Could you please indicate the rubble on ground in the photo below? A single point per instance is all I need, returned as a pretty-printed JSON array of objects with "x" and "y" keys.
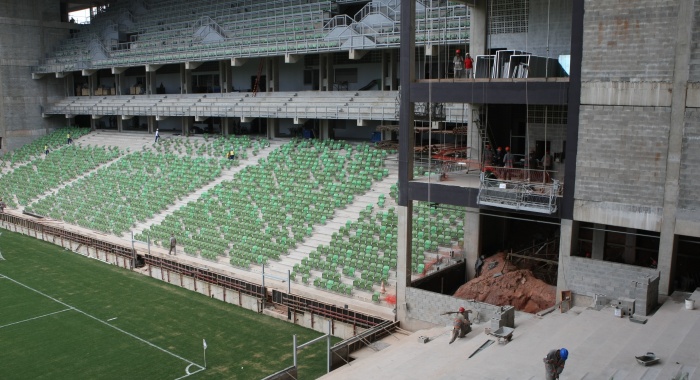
[{"x": 502, "y": 283}]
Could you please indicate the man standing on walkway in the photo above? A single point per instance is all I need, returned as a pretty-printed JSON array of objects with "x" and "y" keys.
[
  {"x": 70, "y": 140},
  {"x": 554, "y": 363},
  {"x": 157, "y": 136},
  {"x": 469, "y": 66},
  {"x": 458, "y": 63},
  {"x": 173, "y": 242}
]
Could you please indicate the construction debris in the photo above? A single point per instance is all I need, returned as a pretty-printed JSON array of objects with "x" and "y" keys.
[{"x": 504, "y": 284}]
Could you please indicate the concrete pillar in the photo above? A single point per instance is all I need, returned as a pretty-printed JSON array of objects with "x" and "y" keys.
[
  {"x": 326, "y": 75},
  {"x": 224, "y": 78},
  {"x": 630, "y": 254},
  {"x": 273, "y": 74},
  {"x": 93, "y": 123},
  {"x": 225, "y": 126},
  {"x": 323, "y": 130},
  {"x": 403, "y": 265},
  {"x": 471, "y": 240},
  {"x": 272, "y": 125},
  {"x": 681, "y": 74},
  {"x": 152, "y": 124},
  {"x": 119, "y": 83},
  {"x": 185, "y": 80},
  {"x": 186, "y": 125},
  {"x": 150, "y": 82},
  {"x": 598, "y": 251},
  {"x": 389, "y": 80},
  {"x": 567, "y": 240},
  {"x": 120, "y": 124},
  {"x": 478, "y": 28},
  {"x": 70, "y": 85},
  {"x": 92, "y": 84}
]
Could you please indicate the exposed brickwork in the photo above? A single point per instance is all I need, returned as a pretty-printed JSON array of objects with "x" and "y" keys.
[
  {"x": 623, "y": 40},
  {"x": 590, "y": 277},
  {"x": 427, "y": 306},
  {"x": 622, "y": 154},
  {"x": 689, "y": 195}
]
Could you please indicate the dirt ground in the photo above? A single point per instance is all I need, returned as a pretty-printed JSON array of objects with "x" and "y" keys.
[{"x": 517, "y": 287}]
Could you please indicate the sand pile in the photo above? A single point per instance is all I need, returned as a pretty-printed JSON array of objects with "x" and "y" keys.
[{"x": 517, "y": 287}]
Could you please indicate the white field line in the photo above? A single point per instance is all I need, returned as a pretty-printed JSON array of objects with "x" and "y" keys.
[
  {"x": 31, "y": 319},
  {"x": 187, "y": 370},
  {"x": 107, "y": 324}
]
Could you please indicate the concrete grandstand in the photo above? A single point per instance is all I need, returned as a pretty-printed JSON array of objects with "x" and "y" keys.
[{"x": 359, "y": 201}]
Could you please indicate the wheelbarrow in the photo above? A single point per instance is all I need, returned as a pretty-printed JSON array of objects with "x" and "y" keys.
[
  {"x": 503, "y": 334},
  {"x": 647, "y": 360}
]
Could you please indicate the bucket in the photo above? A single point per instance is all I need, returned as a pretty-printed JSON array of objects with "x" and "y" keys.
[
  {"x": 689, "y": 304},
  {"x": 618, "y": 312}
]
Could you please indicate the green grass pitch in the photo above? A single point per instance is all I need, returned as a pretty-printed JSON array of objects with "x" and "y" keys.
[{"x": 65, "y": 316}]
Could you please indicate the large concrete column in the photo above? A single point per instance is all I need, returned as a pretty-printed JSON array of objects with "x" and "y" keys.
[
  {"x": 272, "y": 126},
  {"x": 324, "y": 131},
  {"x": 185, "y": 79},
  {"x": 273, "y": 74},
  {"x": 120, "y": 124},
  {"x": 186, "y": 125},
  {"x": 225, "y": 126},
  {"x": 478, "y": 28},
  {"x": 403, "y": 265},
  {"x": 225, "y": 77},
  {"x": 389, "y": 80},
  {"x": 598, "y": 250},
  {"x": 667, "y": 241},
  {"x": 567, "y": 239},
  {"x": 152, "y": 124},
  {"x": 472, "y": 248},
  {"x": 326, "y": 74},
  {"x": 92, "y": 84}
]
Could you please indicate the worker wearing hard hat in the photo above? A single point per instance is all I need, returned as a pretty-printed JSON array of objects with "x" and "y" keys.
[
  {"x": 458, "y": 62},
  {"x": 461, "y": 326},
  {"x": 554, "y": 363}
]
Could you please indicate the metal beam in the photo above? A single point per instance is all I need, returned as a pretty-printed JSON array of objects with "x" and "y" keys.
[{"x": 492, "y": 92}]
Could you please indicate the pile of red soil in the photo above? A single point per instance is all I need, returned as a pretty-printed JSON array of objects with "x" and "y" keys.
[{"x": 516, "y": 287}]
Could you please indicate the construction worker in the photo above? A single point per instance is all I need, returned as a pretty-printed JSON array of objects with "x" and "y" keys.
[
  {"x": 469, "y": 66},
  {"x": 508, "y": 158},
  {"x": 488, "y": 155},
  {"x": 458, "y": 63},
  {"x": 554, "y": 363},
  {"x": 173, "y": 242},
  {"x": 479, "y": 264},
  {"x": 46, "y": 150},
  {"x": 231, "y": 155},
  {"x": 498, "y": 158},
  {"x": 70, "y": 140},
  {"x": 461, "y": 326}
]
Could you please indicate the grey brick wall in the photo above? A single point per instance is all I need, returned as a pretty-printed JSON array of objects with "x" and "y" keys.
[
  {"x": 427, "y": 306},
  {"x": 623, "y": 40},
  {"x": 614, "y": 280},
  {"x": 689, "y": 195},
  {"x": 695, "y": 46},
  {"x": 29, "y": 29},
  {"x": 622, "y": 154}
]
